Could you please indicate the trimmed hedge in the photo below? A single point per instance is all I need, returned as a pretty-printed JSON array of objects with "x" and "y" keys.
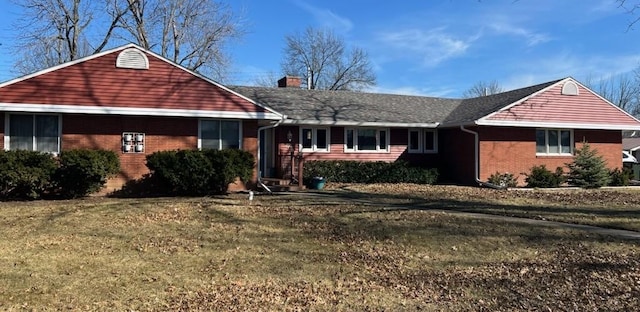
[
  {"x": 83, "y": 172},
  {"x": 348, "y": 171},
  {"x": 197, "y": 173},
  {"x": 76, "y": 173},
  {"x": 26, "y": 174}
]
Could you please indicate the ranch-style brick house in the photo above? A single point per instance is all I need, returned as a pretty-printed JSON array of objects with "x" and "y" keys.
[{"x": 136, "y": 102}]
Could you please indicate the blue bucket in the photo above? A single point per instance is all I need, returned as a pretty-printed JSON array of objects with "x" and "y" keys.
[{"x": 317, "y": 183}]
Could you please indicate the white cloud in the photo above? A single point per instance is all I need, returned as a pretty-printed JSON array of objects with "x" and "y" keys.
[
  {"x": 408, "y": 90},
  {"x": 532, "y": 38},
  {"x": 327, "y": 18},
  {"x": 433, "y": 46},
  {"x": 568, "y": 64}
]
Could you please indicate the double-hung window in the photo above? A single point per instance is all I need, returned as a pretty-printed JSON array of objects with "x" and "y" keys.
[
  {"x": 554, "y": 142},
  {"x": 33, "y": 132},
  {"x": 366, "y": 140},
  {"x": 219, "y": 134},
  {"x": 422, "y": 141},
  {"x": 314, "y": 139}
]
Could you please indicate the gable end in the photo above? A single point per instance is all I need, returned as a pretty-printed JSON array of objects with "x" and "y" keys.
[{"x": 133, "y": 59}]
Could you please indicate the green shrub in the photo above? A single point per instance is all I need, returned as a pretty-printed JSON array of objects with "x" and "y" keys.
[
  {"x": 588, "y": 169},
  {"x": 196, "y": 173},
  {"x": 347, "y": 171},
  {"x": 25, "y": 174},
  {"x": 542, "y": 177},
  {"x": 84, "y": 171},
  {"x": 619, "y": 177},
  {"x": 503, "y": 179}
]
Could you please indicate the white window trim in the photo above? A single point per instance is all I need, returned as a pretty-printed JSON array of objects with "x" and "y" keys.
[
  {"x": 240, "y": 134},
  {"x": 546, "y": 140},
  {"x": 355, "y": 140},
  {"x": 421, "y": 137},
  {"x": 314, "y": 140},
  {"x": 7, "y": 135}
]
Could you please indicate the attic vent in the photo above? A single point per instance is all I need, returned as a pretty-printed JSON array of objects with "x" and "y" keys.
[
  {"x": 570, "y": 88},
  {"x": 132, "y": 58}
]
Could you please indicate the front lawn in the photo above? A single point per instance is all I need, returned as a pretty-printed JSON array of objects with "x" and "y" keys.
[
  {"x": 294, "y": 252},
  {"x": 617, "y": 208}
]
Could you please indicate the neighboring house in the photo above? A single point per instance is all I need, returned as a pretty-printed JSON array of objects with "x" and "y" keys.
[
  {"x": 127, "y": 100},
  {"x": 136, "y": 102},
  {"x": 631, "y": 145},
  {"x": 466, "y": 139}
]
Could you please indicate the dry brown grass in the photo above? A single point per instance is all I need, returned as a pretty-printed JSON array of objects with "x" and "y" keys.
[{"x": 290, "y": 252}]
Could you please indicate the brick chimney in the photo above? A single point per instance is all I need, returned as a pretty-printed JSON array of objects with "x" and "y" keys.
[{"x": 289, "y": 82}]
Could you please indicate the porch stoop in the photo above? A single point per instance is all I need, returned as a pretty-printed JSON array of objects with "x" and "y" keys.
[{"x": 282, "y": 185}]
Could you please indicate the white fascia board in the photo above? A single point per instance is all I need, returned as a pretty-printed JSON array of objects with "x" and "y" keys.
[
  {"x": 133, "y": 111},
  {"x": 561, "y": 125},
  {"x": 360, "y": 124}
]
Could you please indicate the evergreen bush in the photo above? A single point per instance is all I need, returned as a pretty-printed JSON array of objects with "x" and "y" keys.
[
  {"x": 588, "y": 169},
  {"x": 620, "y": 177},
  {"x": 503, "y": 179},
  {"x": 542, "y": 177}
]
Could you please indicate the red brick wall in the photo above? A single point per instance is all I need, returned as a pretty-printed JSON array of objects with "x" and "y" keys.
[
  {"x": 105, "y": 132},
  {"x": 398, "y": 138},
  {"x": 513, "y": 150},
  {"x": 457, "y": 156},
  {"x": 82, "y": 131}
]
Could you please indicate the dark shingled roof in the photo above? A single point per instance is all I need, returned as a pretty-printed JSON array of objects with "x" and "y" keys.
[{"x": 348, "y": 106}]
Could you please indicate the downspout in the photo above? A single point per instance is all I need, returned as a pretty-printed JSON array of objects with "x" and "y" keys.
[
  {"x": 477, "y": 160},
  {"x": 260, "y": 183}
]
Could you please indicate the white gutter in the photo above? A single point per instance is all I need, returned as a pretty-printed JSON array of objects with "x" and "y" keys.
[
  {"x": 260, "y": 183},
  {"x": 477, "y": 160}
]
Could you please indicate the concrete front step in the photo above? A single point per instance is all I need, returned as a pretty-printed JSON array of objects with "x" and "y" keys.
[{"x": 281, "y": 185}]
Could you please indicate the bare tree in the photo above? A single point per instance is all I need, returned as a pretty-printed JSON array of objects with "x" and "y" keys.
[
  {"x": 55, "y": 31},
  {"x": 268, "y": 80},
  {"x": 192, "y": 33},
  {"x": 622, "y": 90},
  {"x": 631, "y": 7},
  {"x": 482, "y": 88},
  {"x": 322, "y": 60}
]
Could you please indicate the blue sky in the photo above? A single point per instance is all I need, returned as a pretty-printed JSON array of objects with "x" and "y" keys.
[{"x": 435, "y": 47}]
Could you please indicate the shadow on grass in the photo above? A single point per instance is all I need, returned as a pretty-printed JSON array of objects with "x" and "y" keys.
[{"x": 380, "y": 203}]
